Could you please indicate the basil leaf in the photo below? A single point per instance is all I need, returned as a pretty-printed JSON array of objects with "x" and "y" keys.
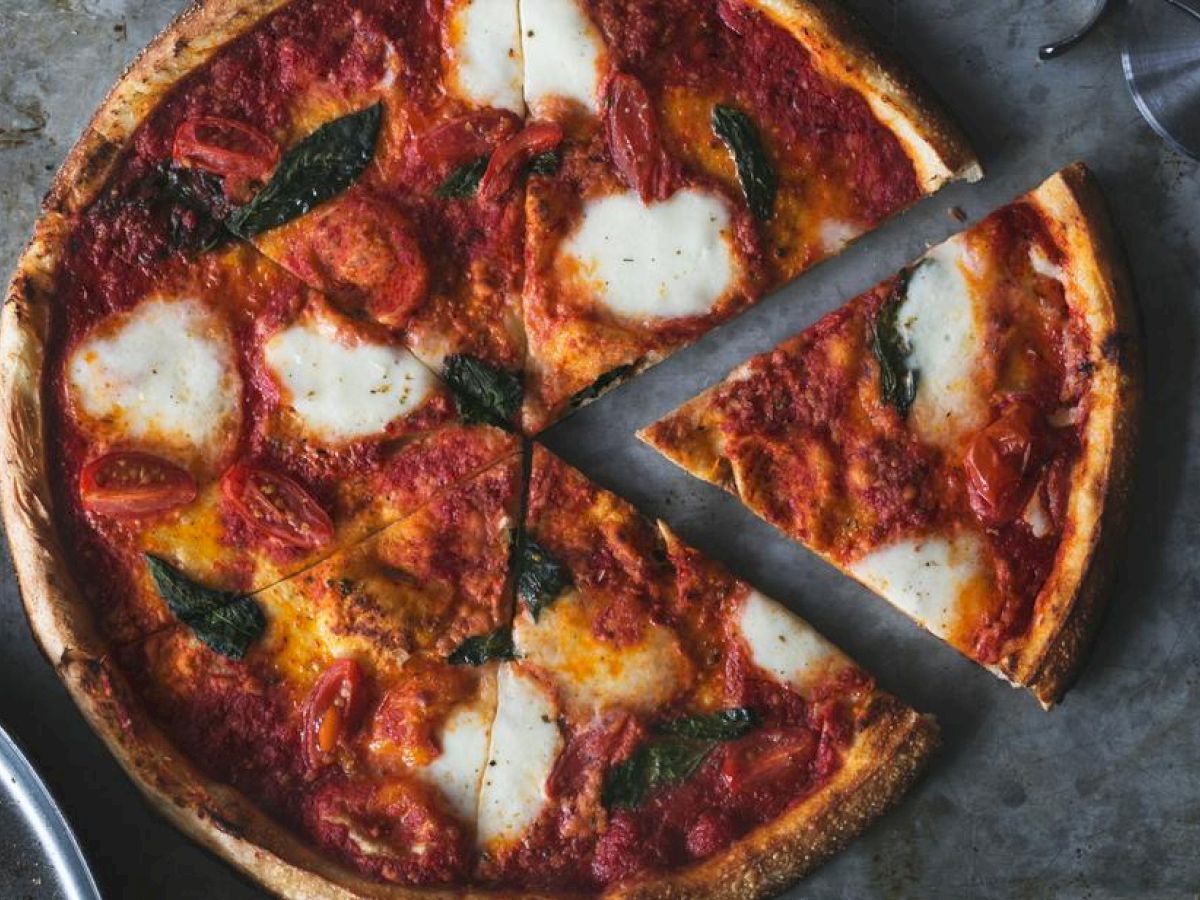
[
  {"x": 663, "y": 762},
  {"x": 228, "y": 623},
  {"x": 897, "y": 383},
  {"x": 481, "y": 648},
  {"x": 321, "y": 166},
  {"x": 601, "y": 384},
  {"x": 725, "y": 725},
  {"x": 541, "y": 578},
  {"x": 758, "y": 180},
  {"x": 483, "y": 394},
  {"x": 463, "y": 181},
  {"x": 546, "y": 163}
]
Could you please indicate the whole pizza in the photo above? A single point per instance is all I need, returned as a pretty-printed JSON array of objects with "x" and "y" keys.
[{"x": 274, "y": 363}]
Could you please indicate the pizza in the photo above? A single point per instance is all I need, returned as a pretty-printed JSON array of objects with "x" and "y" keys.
[
  {"x": 314, "y": 277},
  {"x": 958, "y": 438}
]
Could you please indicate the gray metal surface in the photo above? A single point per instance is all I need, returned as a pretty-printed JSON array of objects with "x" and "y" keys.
[
  {"x": 1099, "y": 799},
  {"x": 39, "y": 856},
  {"x": 1161, "y": 59}
]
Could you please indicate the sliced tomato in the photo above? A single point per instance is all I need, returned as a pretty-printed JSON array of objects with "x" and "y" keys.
[
  {"x": 131, "y": 483},
  {"x": 462, "y": 139},
  {"x": 1003, "y": 459},
  {"x": 333, "y": 710},
  {"x": 769, "y": 758},
  {"x": 633, "y": 139},
  {"x": 277, "y": 506},
  {"x": 238, "y": 153},
  {"x": 510, "y": 157}
]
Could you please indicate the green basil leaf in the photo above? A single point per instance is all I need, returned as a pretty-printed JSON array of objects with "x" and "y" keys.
[
  {"x": 483, "y": 394},
  {"x": 464, "y": 181},
  {"x": 897, "y": 382},
  {"x": 540, "y": 579},
  {"x": 481, "y": 648},
  {"x": 600, "y": 385},
  {"x": 758, "y": 180},
  {"x": 654, "y": 765},
  {"x": 320, "y": 167},
  {"x": 725, "y": 725},
  {"x": 546, "y": 163},
  {"x": 228, "y": 623}
]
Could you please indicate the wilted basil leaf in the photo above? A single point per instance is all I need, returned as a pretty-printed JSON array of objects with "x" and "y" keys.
[
  {"x": 540, "y": 579},
  {"x": 483, "y": 394},
  {"x": 757, "y": 178},
  {"x": 225, "y": 621},
  {"x": 897, "y": 383},
  {"x": 481, "y": 648},
  {"x": 463, "y": 181}
]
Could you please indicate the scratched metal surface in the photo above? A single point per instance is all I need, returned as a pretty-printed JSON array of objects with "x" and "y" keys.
[{"x": 1099, "y": 799}]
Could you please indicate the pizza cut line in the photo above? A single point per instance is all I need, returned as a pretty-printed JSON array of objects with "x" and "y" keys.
[{"x": 310, "y": 271}]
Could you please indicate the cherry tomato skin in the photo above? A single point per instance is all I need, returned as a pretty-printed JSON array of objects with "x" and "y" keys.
[
  {"x": 1002, "y": 460},
  {"x": 505, "y": 165},
  {"x": 225, "y": 147},
  {"x": 130, "y": 483},
  {"x": 461, "y": 139},
  {"x": 277, "y": 506},
  {"x": 633, "y": 139},
  {"x": 765, "y": 757},
  {"x": 333, "y": 710}
]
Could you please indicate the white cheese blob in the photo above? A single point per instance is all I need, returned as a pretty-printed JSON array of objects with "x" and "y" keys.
[
  {"x": 457, "y": 771},
  {"x": 594, "y": 674},
  {"x": 836, "y": 234},
  {"x": 525, "y": 745},
  {"x": 163, "y": 373},
  {"x": 925, "y": 577},
  {"x": 782, "y": 644},
  {"x": 1043, "y": 266},
  {"x": 945, "y": 327},
  {"x": 485, "y": 53},
  {"x": 658, "y": 260},
  {"x": 564, "y": 55},
  {"x": 340, "y": 385}
]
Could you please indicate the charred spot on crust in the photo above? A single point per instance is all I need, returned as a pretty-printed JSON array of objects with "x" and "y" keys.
[
  {"x": 1113, "y": 348},
  {"x": 222, "y": 822}
]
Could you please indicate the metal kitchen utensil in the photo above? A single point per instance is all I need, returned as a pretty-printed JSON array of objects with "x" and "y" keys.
[
  {"x": 39, "y": 856},
  {"x": 1061, "y": 46},
  {"x": 1161, "y": 59}
]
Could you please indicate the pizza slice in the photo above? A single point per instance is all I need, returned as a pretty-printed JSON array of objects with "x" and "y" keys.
[
  {"x": 958, "y": 438},
  {"x": 711, "y": 152},
  {"x": 665, "y": 729}
]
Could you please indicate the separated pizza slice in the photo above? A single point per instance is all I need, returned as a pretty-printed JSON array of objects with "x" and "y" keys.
[
  {"x": 666, "y": 729},
  {"x": 351, "y": 703},
  {"x": 958, "y": 438},
  {"x": 711, "y": 152},
  {"x": 344, "y": 138}
]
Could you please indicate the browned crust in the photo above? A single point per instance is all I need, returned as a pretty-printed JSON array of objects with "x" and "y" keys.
[
  {"x": 937, "y": 146},
  {"x": 1070, "y": 604},
  {"x": 1070, "y": 607}
]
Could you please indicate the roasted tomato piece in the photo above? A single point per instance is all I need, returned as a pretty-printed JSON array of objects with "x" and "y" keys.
[
  {"x": 238, "y": 153},
  {"x": 362, "y": 249},
  {"x": 277, "y": 506},
  {"x": 1003, "y": 461},
  {"x": 510, "y": 157},
  {"x": 768, "y": 758},
  {"x": 462, "y": 139},
  {"x": 333, "y": 710},
  {"x": 131, "y": 483},
  {"x": 633, "y": 139}
]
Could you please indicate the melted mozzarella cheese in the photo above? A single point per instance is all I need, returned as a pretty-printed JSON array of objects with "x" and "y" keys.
[
  {"x": 457, "y": 771},
  {"x": 783, "y": 645},
  {"x": 564, "y": 55},
  {"x": 595, "y": 674},
  {"x": 658, "y": 260},
  {"x": 925, "y": 577},
  {"x": 1043, "y": 266},
  {"x": 836, "y": 234},
  {"x": 164, "y": 373},
  {"x": 525, "y": 745},
  {"x": 341, "y": 386},
  {"x": 945, "y": 329},
  {"x": 485, "y": 53}
]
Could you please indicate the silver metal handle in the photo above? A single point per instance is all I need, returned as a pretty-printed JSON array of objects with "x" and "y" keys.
[{"x": 1057, "y": 48}]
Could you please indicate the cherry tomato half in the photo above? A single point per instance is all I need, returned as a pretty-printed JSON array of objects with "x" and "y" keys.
[
  {"x": 767, "y": 758},
  {"x": 462, "y": 139},
  {"x": 508, "y": 159},
  {"x": 131, "y": 483},
  {"x": 633, "y": 139},
  {"x": 1003, "y": 460},
  {"x": 225, "y": 147},
  {"x": 277, "y": 506},
  {"x": 333, "y": 710}
]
